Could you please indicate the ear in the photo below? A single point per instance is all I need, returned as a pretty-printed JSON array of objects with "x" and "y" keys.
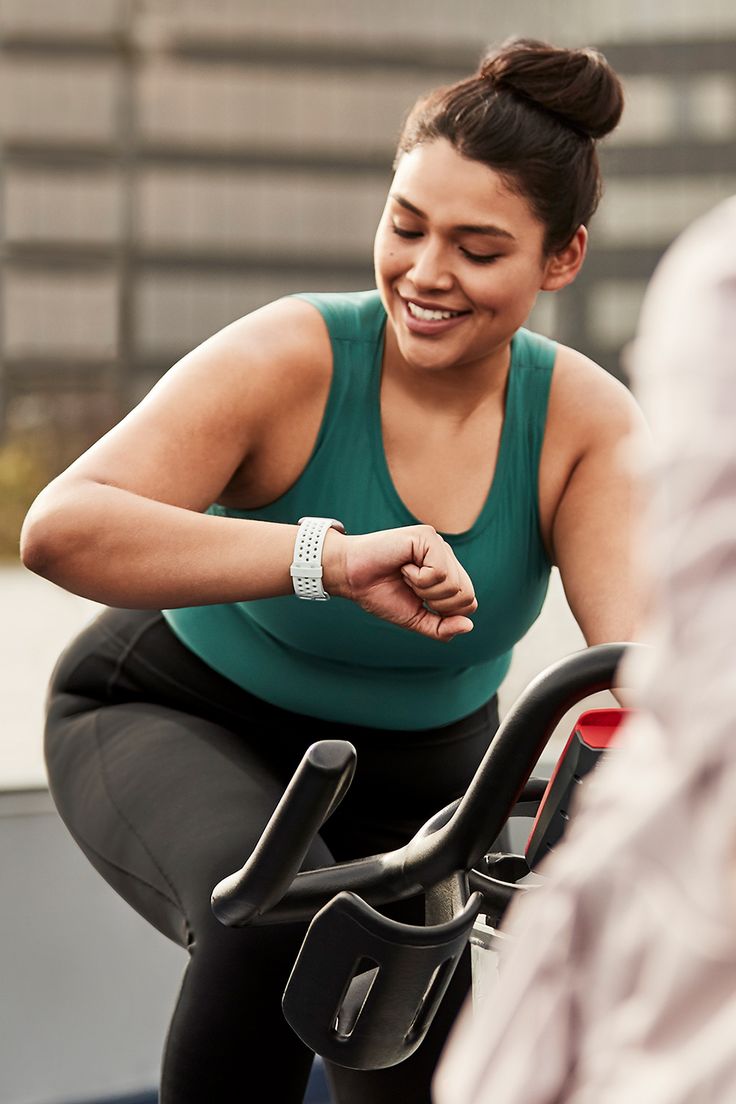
[{"x": 562, "y": 268}]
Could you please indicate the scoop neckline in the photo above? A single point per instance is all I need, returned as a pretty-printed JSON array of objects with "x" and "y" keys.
[{"x": 384, "y": 471}]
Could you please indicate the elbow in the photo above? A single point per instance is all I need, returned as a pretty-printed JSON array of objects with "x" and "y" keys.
[
  {"x": 38, "y": 544},
  {"x": 47, "y": 535}
]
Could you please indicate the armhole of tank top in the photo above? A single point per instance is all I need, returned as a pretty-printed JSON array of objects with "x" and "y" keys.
[
  {"x": 550, "y": 349},
  {"x": 331, "y": 315},
  {"x": 538, "y": 354}
]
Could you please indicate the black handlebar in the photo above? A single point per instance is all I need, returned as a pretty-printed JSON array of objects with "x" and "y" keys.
[
  {"x": 316, "y": 789},
  {"x": 453, "y": 840},
  {"x": 511, "y": 757}
]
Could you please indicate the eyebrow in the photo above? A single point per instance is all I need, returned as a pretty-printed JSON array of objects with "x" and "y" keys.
[{"x": 489, "y": 230}]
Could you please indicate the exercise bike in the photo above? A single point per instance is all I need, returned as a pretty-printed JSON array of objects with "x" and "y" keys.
[{"x": 364, "y": 988}]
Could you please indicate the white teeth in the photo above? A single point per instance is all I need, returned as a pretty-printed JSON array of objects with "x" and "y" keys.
[{"x": 430, "y": 315}]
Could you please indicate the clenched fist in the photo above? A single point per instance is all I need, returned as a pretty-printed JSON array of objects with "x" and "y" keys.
[{"x": 408, "y": 576}]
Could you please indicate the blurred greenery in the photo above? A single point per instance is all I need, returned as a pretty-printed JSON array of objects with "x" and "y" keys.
[
  {"x": 24, "y": 470},
  {"x": 28, "y": 461},
  {"x": 43, "y": 434}
]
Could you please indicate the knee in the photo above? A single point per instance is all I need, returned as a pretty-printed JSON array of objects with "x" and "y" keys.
[{"x": 249, "y": 959}]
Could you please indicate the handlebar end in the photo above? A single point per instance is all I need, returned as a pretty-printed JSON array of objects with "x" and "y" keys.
[
  {"x": 331, "y": 757},
  {"x": 314, "y": 792},
  {"x": 231, "y": 911}
]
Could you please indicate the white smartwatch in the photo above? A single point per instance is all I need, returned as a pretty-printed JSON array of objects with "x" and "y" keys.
[{"x": 306, "y": 570}]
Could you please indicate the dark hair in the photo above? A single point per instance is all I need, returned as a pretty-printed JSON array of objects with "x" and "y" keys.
[{"x": 533, "y": 113}]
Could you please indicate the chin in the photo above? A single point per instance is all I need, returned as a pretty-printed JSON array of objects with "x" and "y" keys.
[{"x": 428, "y": 360}]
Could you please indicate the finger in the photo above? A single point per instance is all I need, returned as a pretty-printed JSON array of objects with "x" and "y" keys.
[
  {"x": 446, "y": 598},
  {"x": 428, "y": 623},
  {"x": 430, "y": 581},
  {"x": 451, "y": 574},
  {"x": 466, "y": 610},
  {"x": 451, "y": 607},
  {"x": 429, "y": 574},
  {"x": 453, "y": 595},
  {"x": 447, "y": 602}
]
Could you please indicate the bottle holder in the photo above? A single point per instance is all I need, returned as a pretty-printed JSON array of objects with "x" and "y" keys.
[{"x": 364, "y": 989}]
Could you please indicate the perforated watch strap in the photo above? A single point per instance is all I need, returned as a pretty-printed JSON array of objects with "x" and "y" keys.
[{"x": 306, "y": 570}]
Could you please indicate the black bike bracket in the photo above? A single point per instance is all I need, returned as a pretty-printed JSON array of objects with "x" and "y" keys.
[{"x": 364, "y": 988}]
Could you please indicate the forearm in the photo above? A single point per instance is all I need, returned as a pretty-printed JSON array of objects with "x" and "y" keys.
[{"x": 124, "y": 550}]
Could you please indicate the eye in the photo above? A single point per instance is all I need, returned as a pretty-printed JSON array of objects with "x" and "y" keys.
[
  {"x": 406, "y": 233},
  {"x": 481, "y": 258}
]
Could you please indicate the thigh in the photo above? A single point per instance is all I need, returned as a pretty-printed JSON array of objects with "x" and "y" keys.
[{"x": 163, "y": 801}]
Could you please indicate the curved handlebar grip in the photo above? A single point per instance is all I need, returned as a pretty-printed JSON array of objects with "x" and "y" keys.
[
  {"x": 516, "y": 747},
  {"x": 316, "y": 789}
]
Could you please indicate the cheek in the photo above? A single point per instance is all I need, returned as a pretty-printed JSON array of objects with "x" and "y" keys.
[
  {"x": 380, "y": 247},
  {"x": 386, "y": 258},
  {"x": 492, "y": 291},
  {"x": 508, "y": 285}
]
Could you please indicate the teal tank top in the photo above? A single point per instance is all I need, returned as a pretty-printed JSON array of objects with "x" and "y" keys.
[{"x": 334, "y": 661}]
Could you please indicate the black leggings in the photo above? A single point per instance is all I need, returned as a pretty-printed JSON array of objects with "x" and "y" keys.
[{"x": 165, "y": 774}]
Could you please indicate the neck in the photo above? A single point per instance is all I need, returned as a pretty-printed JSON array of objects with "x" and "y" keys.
[{"x": 455, "y": 392}]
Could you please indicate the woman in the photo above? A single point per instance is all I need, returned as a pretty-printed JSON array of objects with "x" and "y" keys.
[{"x": 462, "y": 454}]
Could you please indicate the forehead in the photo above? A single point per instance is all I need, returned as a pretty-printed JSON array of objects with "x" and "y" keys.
[{"x": 453, "y": 190}]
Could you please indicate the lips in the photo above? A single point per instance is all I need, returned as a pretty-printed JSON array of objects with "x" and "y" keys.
[{"x": 430, "y": 319}]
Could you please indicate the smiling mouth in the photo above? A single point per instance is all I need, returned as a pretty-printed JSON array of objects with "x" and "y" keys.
[{"x": 424, "y": 314}]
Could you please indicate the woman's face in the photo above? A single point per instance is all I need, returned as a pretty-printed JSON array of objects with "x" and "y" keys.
[{"x": 459, "y": 259}]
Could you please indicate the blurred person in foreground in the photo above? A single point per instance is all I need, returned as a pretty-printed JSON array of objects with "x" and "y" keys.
[{"x": 620, "y": 981}]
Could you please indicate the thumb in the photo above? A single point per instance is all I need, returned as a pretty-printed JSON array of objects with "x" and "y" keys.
[{"x": 443, "y": 628}]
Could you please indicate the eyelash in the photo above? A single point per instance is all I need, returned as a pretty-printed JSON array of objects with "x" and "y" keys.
[
  {"x": 475, "y": 258},
  {"x": 481, "y": 258}
]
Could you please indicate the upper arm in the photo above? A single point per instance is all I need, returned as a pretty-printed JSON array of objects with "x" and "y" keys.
[
  {"x": 199, "y": 424},
  {"x": 596, "y": 522}
]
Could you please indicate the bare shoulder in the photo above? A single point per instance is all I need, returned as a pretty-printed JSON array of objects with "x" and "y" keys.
[
  {"x": 588, "y": 405},
  {"x": 203, "y": 420},
  {"x": 282, "y": 343}
]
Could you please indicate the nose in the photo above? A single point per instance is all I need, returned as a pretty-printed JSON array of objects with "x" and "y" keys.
[{"x": 430, "y": 269}]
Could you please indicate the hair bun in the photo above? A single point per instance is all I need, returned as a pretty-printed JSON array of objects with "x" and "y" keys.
[{"x": 578, "y": 86}]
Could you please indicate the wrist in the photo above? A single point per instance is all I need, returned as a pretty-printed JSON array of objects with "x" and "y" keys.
[{"x": 334, "y": 564}]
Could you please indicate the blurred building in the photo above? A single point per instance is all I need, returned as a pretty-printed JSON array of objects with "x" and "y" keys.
[{"x": 168, "y": 165}]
